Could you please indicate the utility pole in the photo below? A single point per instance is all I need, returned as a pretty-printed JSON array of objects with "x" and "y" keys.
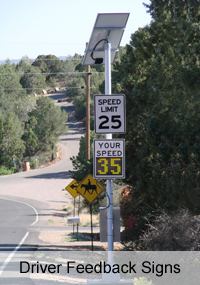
[
  {"x": 87, "y": 110},
  {"x": 88, "y": 129}
]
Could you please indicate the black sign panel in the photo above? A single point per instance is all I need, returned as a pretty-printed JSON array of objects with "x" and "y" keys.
[{"x": 109, "y": 158}]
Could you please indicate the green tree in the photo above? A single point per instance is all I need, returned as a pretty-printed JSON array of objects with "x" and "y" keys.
[
  {"x": 11, "y": 144},
  {"x": 31, "y": 141},
  {"x": 41, "y": 62},
  {"x": 13, "y": 98},
  {"x": 27, "y": 125},
  {"x": 174, "y": 10},
  {"x": 30, "y": 138},
  {"x": 78, "y": 96},
  {"x": 160, "y": 76},
  {"x": 32, "y": 80},
  {"x": 68, "y": 69},
  {"x": 82, "y": 166},
  {"x": 23, "y": 64},
  {"x": 77, "y": 91},
  {"x": 50, "y": 123},
  {"x": 10, "y": 86},
  {"x": 49, "y": 64}
]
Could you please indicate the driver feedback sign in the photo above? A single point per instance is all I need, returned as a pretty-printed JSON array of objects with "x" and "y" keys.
[{"x": 109, "y": 158}]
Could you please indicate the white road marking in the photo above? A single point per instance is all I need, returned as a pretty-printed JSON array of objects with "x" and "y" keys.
[
  {"x": 8, "y": 259},
  {"x": 36, "y": 213}
]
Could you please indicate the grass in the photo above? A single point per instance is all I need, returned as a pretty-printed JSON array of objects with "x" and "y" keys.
[
  {"x": 70, "y": 237},
  {"x": 141, "y": 281},
  {"x": 85, "y": 219}
]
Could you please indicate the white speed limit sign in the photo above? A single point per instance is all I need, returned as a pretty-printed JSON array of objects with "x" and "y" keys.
[{"x": 109, "y": 114}]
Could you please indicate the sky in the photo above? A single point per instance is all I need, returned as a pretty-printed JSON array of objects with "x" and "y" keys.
[{"x": 59, "y": 27}]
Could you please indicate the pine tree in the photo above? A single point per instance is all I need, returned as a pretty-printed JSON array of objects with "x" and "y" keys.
[
  {"x": 11, "y": 144},
  {"x": 160, "y": 77}
]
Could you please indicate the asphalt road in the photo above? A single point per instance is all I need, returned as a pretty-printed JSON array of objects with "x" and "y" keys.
[{"x": 15, "y": 218}]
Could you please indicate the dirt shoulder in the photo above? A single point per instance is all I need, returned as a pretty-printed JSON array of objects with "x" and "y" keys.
[{"x": 66, "y": 240}]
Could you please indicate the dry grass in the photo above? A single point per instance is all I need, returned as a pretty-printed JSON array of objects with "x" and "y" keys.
[{"x": 85, "y": 218}]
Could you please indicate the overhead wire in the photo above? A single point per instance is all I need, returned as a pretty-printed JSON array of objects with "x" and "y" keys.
[
  {"x": 47, "y": 73},
  {"x": 54, "y": 73},
  {"x": 43, "y": 88},
  {"x": 57, "y": 58}
]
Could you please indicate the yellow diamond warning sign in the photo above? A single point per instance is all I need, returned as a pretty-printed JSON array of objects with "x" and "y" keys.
[
  {"x": 71, "y": 188},
  {"x": 89, "y": 189}
]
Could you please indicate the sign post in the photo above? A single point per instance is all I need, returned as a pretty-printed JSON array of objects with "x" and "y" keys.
[
  {"x": 89, "y": 189},
  {"x": 71, "y": 188}
]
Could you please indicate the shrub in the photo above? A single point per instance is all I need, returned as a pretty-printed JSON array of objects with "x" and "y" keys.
[
  {"x": 5, "y": 171},
  {"x": 179, "y": 231},
  {"x": 34, "y": 162},
  {"x": 132, "y": 215},
  {"x": 126, "y": 207}
]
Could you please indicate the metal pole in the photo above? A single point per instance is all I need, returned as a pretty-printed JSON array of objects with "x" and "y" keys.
[
  {"x": 78, "y": 215},
  {"x": 107, "y": 48},
  {"x": 87, "y": 111},
  {"x": 88, "y": 129},
  {"x": 74, "y": 214},
  {"x": 91, "y": 225}
]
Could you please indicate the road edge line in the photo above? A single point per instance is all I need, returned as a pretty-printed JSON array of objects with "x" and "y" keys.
[
  {"x": 36, "y": 212},
  {"x": 8, "y": 259}
]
